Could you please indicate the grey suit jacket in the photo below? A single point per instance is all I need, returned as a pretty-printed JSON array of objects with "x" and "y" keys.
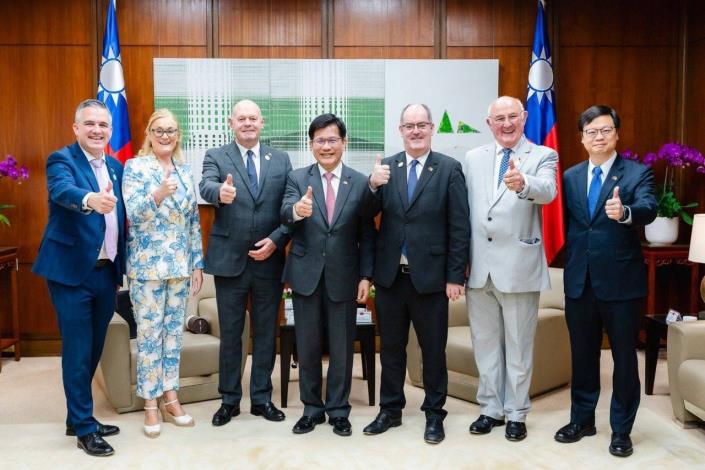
[
  {"x": 343, "y": 251},
  {"x": 507, "y": 240},
  {"x": 251, "y": 217}
]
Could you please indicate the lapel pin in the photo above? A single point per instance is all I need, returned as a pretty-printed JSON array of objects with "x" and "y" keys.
[
  {"x": 345, "y": 182},
  {"x": 614, "y": 178},
  {"x": 268, "y": 157},
  {"x": 400, "y": 164},
  {"x": 430, "y": 168}
]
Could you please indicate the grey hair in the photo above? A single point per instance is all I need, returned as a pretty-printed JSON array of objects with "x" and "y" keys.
[
  {"x": 428, "y": 111},
  {"x": 505, "y": 98},
  {"x": 91, "y": 103}
]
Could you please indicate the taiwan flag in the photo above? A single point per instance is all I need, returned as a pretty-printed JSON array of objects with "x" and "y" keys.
[
  {"x": 111, "y": 89},
  {"x": 541, "y": 129}
]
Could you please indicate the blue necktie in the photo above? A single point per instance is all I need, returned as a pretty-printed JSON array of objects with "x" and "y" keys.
[
  {"x": 410, "y": 186},
  {"x": 504, "y": 165},
  {"x": 594, "y": 191},
  {"x": 252, "y": 172}
]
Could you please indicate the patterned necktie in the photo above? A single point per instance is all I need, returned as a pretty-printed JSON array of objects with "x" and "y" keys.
[
  {"x": 111, "y": 230},
  {"x": 252, "y": 172},
  {"x": 330, "y": 196},
  {"x": 594, "y": 191},
  {"x": 410, "y": 187},
  {"x": 504, "y": 165}
]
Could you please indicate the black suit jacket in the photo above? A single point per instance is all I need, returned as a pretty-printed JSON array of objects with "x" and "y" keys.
[
  {"x": 343, "y": 251},
  {"x": 435, "y": 224},
  {"x": 251, "y": 217},
  {"x": 609, "y": 251}
]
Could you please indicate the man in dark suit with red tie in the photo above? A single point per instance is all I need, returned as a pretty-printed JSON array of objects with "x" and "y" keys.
[
  {"x": 421, "y": 256},
  {"x": 606, "y": 200},
  {"x": 82, "y": 256}
]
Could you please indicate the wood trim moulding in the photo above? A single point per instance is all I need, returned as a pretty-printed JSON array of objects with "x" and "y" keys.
[{"x": 40, "y": 347}]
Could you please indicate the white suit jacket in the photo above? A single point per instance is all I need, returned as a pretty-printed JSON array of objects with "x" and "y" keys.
[{"x": 506, "y": 238}]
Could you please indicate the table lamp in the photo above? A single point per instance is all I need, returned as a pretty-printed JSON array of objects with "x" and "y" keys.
[{"x": 697, "y": 246}]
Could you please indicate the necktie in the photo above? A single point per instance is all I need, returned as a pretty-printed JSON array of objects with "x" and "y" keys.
[
  {"x": 504, "y": 165},
  {"x": 252, "y": 172},
  {"x": 410, "y": 187},
  {"x": 111, "y": 230},
  {"x": 330, "y": 196},
  {"x": 594, "y": 191}
]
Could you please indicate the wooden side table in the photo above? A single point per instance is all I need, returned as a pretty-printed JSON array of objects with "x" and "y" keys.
[
  {"x": 656, "y": 256},
  {"x": 9, "y": 265}
]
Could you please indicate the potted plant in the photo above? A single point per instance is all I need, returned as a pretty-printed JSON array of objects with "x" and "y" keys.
[
  {"x": 664, "y": 230},
  {"x": 8, "y": 169}
]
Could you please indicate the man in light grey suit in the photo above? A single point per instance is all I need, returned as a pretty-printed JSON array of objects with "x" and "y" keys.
[
  {"x": 508, "y": 182},
  {"x": 245, "y": 181}
]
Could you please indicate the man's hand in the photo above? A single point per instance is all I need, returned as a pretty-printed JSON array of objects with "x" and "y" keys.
[
  {"x": 363, "y": 291},
  {"x": 613, "y": 207},
  {"x": 166, "y": 188},
  {"x": 380, "y": 173},
  {"x": 104, "y": 201},
  {"x": 227, "y": 191},
  {"x": 196, "y": 281},
  {"x": 265, "y": 249},
  {"x": 304, "y": 208},
  {"x": 513, "y": 179},
  {"x": 454, "y": 291}
]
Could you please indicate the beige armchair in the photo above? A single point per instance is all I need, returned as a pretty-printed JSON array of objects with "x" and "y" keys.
[
  {"x": 199, "y": 356},
  {"x": 686, "y": 371},
  {"x": 551, "y": 347}
]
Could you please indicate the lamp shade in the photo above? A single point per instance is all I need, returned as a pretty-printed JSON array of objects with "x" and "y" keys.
[{"x": 697, "y": 240}]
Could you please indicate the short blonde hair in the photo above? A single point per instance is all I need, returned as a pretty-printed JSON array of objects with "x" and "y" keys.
[{"x": 147, "y": 144}]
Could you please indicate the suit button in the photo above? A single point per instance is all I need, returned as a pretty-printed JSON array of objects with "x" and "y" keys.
[
  {"x": 489, "y": 239},
  {"x": 324, "y": 254},
  {"x": 489, "y": 218}
]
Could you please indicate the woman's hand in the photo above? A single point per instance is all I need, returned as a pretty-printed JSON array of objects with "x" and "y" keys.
[{"x": 196, "y": 281}]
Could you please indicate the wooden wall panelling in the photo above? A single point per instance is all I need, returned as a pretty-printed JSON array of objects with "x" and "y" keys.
[
  {"x": 383, "y": 52},
  {"x": 270, "y": 52},
  {"x": 496, "y": 23},
  {"x": 161, "y": 22},
  {"x": 695, "y": 96},
  {"x": 46, "y": 22}
]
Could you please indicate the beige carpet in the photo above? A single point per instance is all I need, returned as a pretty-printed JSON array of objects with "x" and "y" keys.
[{"x": 32, "y": 414}]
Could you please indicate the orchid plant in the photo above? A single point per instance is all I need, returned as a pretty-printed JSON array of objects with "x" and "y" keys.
[
  {"x": 9, "y": 169},
  {"x": 676, "y": 156}
]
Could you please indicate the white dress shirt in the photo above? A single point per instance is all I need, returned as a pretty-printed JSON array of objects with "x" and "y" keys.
[
  {"x": 255, "y": 157},
  {"x": 105, "y": 173},
  {"x": 606, "y": 167}
]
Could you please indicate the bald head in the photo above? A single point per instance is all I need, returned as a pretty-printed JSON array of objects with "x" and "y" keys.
[
  {"x": 506, "y": 119},
  {"x": 505, "y": 101}
]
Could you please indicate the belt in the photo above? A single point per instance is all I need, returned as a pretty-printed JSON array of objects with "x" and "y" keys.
[
  {"x": 404, "y": 269},
  {"x": 102, "y": 262}
]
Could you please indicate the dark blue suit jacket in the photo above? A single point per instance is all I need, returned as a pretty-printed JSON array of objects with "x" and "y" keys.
[
  {"x": 73, "y": 238},
  {"x": 606, "y": 249}
]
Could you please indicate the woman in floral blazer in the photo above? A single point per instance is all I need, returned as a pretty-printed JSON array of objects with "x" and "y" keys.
[{"x": 164, "y": 258}]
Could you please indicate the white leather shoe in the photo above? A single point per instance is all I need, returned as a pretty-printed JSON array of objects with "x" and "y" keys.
[
  {"x": 184, "y": 420},
  {"x": 152, "y": 430}
]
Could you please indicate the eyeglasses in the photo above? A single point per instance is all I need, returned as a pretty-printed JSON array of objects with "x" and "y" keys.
[
  {"x": 159, "y": 132},
  {"x": 504, "y": 118},
  {"x": 330, "y": 141},
  {"x": 422, "y": 126},
  {"x": 604, "y": 132}
]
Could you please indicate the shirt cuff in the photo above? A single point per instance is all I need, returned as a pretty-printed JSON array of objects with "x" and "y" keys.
[
  {"x": 296, "y": 216},
  {"x": 524, "y": 193},
  {"x": 84, "y": 203},
  {"x": 626, "y": 217}
]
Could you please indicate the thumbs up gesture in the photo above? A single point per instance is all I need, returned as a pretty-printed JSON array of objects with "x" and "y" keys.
[
  {"x": 613, "y": 207},
  {"x": 304, "y": 208},
  {"x": 167, "y": 186},
  {"x": 380, "y": 173},
  {"x": 104, "y": 201},
  {"x": 513, "y": 178},
  {"x": 227, "y": 190}
]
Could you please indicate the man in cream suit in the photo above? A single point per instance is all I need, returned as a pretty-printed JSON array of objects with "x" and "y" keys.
[{"x": 508, "y": 182}]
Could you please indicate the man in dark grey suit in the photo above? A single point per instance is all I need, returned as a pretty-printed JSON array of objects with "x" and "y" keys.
[
  {"x": 422, "y": 252},
  {"x": 245, "y": 181},
  {"x": 329, "y": 208}
]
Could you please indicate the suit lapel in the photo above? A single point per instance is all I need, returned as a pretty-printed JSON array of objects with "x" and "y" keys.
[
  {"x": 343, "y": 191},
  {"x": 233, "y": 152},
  {"x": 398, "y": 176},
  {"x": 427, "y": 172},
  {"x": 580, "y": 184},
  {"x": 314, "y": 180},
  {"x": 85, "y": 167},
  {"x": 265, "y": 157}
]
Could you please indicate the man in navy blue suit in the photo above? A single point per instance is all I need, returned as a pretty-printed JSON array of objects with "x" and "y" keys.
[
  {"x": 606, "y": 199},
  {"x": 82, "y": 256}
]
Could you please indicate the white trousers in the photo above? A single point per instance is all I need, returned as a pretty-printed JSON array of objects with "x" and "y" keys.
[{"x": 502, "y": 328}]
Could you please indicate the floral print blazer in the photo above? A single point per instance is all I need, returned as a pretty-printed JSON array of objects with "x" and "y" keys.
[{"x": 163, "y": 242}]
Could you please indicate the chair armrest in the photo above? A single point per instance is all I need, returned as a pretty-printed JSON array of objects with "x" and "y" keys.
[
  {"x": 115, "y": 363},
  {"x": 685, "y": 341},
  {"x": 458, "y": 313}
]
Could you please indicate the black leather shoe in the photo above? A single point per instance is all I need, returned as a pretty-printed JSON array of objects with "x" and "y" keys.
[
  {"x": 573, "y": 432},
  {"x": 484, "y": 424},
  {"x": 268, "y": 411},
  {"x": 307, "y": 424},
  {"x": 621, "y": 445},
  {"x": 382, "y": 422},
  {"x": 93, "y": 444},
  {"x": 516, "y": 431},
  {"x": 434, "y": 433},
  {"x": 104, "y": 430},
  {"x": 341, "y": 425},
  {"x": 224, "y": 413}
]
